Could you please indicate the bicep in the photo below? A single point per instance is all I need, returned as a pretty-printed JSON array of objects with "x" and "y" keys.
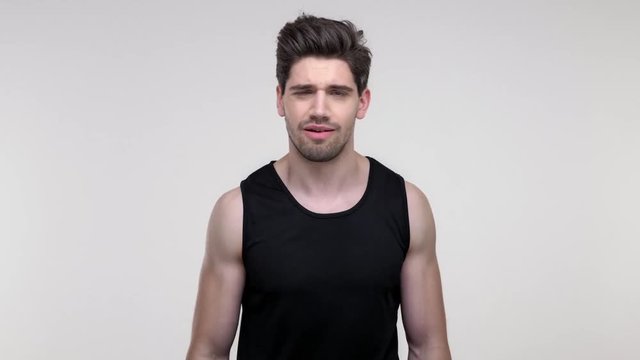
[
  {"x": 422, "y": 304},
  {"x": 217, "y": 308},
  {"x": 221, "y": 280}
]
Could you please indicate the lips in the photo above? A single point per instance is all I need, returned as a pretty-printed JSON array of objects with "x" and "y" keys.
[
  {"x": 318, "y": 128},
  {"x": 318, "y": 132}
]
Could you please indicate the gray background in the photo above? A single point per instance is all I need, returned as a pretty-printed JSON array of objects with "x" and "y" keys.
[{"x": 121, "y": 122}]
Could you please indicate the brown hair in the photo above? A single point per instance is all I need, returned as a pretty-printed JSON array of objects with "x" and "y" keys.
[{"x": 315, "y": 36}]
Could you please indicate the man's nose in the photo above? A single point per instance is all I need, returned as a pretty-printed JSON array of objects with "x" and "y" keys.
[{"x": 319, "y": 105}]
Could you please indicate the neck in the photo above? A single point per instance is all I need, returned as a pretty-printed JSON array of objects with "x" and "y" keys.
[{"x": 347, "y": 170}]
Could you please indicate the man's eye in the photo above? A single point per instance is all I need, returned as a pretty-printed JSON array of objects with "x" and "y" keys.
[
  {"x": 339, "y": 93},
  {"x": 305, "y": 92}
]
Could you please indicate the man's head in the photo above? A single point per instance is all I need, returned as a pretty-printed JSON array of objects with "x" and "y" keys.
[
  {"x": 322, "y": 72},
  {"x": 319, "y": 37}
]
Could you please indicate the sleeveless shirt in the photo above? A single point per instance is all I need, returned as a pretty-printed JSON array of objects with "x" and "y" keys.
[{"x": 322, "y": 286}]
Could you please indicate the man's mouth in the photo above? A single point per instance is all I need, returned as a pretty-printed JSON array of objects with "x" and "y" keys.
[{"x": 317, "y": 128}]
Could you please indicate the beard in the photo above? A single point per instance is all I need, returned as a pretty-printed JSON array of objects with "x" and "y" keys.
[{"x": 323, "y": 151}]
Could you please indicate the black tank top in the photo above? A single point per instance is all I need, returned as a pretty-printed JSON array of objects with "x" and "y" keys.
[{"x": 322, "y": 286}]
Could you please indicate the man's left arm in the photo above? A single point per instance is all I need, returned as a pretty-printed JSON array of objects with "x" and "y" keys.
[{"x": 422, "y": 306}]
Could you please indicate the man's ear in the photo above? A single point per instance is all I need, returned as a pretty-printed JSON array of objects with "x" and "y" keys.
[
  {"x": 363, "y": 103},
  {"x": 279, "y": 102}
]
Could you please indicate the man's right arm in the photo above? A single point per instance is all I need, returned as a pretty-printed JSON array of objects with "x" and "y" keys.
[{"x": 215, "y": 320}]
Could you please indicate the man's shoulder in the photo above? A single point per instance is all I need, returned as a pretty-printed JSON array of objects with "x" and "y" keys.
[
  {"x": 230, "y": 204},
  {"x": 227, "y": 212},
  {"x": 386, "y": 174},
  {"x": 412, "y": 190},
  {"x": 230, "y": 200},
  {"x": 421, "y": 222},
  {"x": 414, "y": 193},
  {"x": 261, "y": 177},
  {"x": 224, "y": 233}
]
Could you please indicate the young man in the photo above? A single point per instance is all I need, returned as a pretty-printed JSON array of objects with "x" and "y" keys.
[{"x": 321, "y": 246}]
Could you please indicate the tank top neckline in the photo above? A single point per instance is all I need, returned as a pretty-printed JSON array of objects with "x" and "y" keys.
[{"x": 326, "y": 215}]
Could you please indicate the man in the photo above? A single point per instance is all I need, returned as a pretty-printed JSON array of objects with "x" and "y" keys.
[{"x": 321, "y": 246}]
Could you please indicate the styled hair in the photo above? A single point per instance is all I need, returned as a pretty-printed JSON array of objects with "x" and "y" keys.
[{"x": 315, "y": 36}]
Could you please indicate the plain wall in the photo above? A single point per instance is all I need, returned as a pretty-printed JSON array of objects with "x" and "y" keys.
[{"x": 121, "y": 122}]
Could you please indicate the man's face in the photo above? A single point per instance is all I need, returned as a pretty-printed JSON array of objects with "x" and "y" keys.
[{"x": 320, "y": 105}]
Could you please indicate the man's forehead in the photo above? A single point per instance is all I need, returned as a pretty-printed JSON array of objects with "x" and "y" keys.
[
  {"x": 312, "y": 70},
  {"x": 322, "y": 66}
]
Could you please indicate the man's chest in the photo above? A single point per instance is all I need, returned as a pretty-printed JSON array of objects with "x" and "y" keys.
[{"x": 322, "y": 256}]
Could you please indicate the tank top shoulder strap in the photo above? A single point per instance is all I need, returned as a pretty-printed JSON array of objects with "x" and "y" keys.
[{"x": 388, "y": 192}]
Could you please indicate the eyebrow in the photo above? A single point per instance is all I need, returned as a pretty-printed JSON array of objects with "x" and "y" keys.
[{"x": 305, "y": 87}]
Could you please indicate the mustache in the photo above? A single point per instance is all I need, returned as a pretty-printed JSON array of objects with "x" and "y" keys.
[{"x": 318, "y": 120}]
